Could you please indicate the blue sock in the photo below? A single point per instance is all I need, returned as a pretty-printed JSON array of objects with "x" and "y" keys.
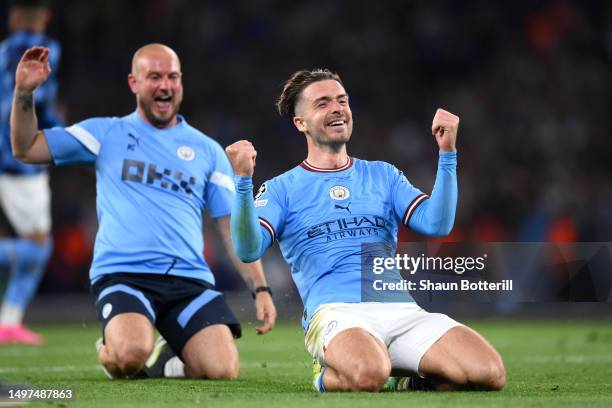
[
  {"x": 28, "y": 260},
  {"x": 7, "y": 253}
]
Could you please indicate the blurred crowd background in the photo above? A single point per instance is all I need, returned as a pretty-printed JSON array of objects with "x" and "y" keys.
[{"x": 531, "y": 81}]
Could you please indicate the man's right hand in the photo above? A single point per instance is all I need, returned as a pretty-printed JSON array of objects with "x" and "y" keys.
[
  {"x": 32, "y": 70},
  {"x": 242, "y": 155}
]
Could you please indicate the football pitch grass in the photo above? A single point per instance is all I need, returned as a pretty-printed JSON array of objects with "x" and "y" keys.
[{"x": 548, "y": 363}]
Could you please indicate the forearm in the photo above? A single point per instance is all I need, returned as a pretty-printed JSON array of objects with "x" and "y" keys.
[
  {"x": 246, "y": 231},
  {"x": 24, "y": 124},
  {"x": 252, "y": 273},
  {"x": 436, "y": 216}
]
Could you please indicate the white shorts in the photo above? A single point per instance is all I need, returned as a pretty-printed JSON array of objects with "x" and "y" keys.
[
  {"x": 407, "y": 330},
  {"x": 26, "y": 201}
]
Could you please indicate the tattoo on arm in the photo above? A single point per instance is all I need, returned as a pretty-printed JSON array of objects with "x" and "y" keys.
[{"x": 25, "y": 102}]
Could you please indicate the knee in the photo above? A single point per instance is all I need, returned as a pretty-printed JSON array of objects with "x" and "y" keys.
[
  {"x": 369, "y": 378},
  {"x": 491, "y": 376},
  {"x": 497, "y": 376},
  {"x": 228, "y": 370},
  {"x": 224, "y": 373},
  {"x": 457, "y": 375},
  {"x": 130, "y": 358}
]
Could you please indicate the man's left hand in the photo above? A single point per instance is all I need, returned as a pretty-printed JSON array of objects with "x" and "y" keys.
[
  {"x": 444, "y": 128},
  {"x": 266, "y": 312}
]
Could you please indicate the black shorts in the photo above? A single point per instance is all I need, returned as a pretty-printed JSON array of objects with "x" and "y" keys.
[{"x": 178, "y": 307}]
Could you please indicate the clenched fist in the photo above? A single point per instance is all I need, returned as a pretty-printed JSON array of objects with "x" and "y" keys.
[
  {"x": 242, "y": 155},
  {"x": 32, "y": 70},
  {"x": 444, "y": 128}
]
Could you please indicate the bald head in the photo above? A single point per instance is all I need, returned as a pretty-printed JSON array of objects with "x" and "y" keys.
[
  {"x": 156, "y": 81},
  {"x": 151, "y": 52}
]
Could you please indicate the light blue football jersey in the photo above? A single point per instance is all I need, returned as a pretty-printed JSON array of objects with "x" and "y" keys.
[
  {"x": 321, "y": 218},
  {"x": 152, "y": 188}
]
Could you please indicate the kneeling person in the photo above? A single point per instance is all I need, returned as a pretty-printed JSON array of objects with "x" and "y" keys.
[
  {"x": 356, "y": 345},
  {"x": 155, "y": 177}
]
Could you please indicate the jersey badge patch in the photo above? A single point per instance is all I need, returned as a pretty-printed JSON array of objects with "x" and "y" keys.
[
  {"x": 262, "y": 190},
  {"x": 339, "y": 193},
  {"x": 185, "y": 153}
]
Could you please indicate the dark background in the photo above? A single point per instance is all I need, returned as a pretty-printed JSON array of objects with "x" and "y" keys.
[{"x": 530, "y": 80}]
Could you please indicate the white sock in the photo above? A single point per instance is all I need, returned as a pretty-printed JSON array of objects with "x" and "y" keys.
[
  {"x": 10, "y": 315},
  {"x": 107, "y": 373},
  {"x": 174, "y": 368}
]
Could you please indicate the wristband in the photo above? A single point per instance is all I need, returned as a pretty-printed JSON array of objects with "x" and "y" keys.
[{"x": 261, "y": 289}]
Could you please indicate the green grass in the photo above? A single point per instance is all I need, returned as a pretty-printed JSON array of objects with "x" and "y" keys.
[{"x": 548, "y": 364}]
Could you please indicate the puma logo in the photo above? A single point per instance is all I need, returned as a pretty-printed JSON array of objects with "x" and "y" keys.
[
  {"x": 339, "y": 207},
  {"x": 136, "y": 142}
]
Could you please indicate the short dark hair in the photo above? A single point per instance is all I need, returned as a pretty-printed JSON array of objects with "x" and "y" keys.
[{"x": 297, "y": 83}]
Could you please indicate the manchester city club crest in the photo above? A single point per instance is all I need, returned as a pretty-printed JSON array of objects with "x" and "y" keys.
[
  {"x": 185, "y": 153},
  {"x": 339, "y": 193}
]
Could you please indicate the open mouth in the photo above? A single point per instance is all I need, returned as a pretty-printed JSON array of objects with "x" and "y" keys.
[
  {"x": 337, "y": 123},
  {"x": 163, "y": 102}
]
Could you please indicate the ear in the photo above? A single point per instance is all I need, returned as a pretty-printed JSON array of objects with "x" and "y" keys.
[
  {"x": 132, "y": 83},
  {"x": 299, "y": 123}
]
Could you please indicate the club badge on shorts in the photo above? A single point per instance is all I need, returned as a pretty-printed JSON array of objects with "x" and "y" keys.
[{"x": 106, "y": 310}]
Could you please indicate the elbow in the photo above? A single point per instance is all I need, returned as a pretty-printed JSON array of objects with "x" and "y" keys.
[
  {"x": 248, "y": 258},
  {"x": 446, "y": 229},
  {"x": 248, "y": 249},
  {"x": 440, "y": 229},
  {"x": 21, "y": 156},
  {"x": 246, "y": 254},
  {"x": 440, "y": 225},
  {"x": 20, "y": 153},
  {"x": 442, "y": 232}
]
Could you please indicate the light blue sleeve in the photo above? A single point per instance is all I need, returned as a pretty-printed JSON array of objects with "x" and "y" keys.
[
  {"x": 435, "y": 216},
  {"x": 251, "y": 236},
  {"x": 220, "y": 187},
  {"x": 79, "y": 143},
  {"x": 404, "y": 196},
  {"x": 270, "y": 209}
]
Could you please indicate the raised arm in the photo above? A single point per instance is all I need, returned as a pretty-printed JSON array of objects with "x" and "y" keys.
[
  {"x": 247, "y": 235},
  {"x": 435, "y": 216},
  {"x": 28, "y": 143}
]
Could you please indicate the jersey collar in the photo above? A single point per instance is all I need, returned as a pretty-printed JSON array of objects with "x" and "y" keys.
[{"x": 305, "y": 165}]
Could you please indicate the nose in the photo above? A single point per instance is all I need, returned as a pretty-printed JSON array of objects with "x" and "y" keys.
[
  {"x": 164, "y": 83},
  {"x": 337, "y": 107}
]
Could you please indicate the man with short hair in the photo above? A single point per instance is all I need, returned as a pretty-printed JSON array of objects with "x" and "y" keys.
[
  {"x": 321, "y": 213},
  {"x": 25, "y": 195},
  {"x": 155, "y": 176}
]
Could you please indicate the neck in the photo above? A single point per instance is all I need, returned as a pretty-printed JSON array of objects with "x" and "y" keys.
[
  {"x": 328, "y": 156},
  {"x": 157, "y": 125}
]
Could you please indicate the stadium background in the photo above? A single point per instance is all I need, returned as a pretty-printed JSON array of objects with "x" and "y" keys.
[{"x": 531, "y": 81}]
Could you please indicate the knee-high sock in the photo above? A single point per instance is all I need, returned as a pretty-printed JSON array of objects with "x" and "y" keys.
[{"x": 27, "y": 260}]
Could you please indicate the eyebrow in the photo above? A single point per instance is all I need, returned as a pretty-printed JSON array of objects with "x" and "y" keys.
[{"x": 328, "y": 98}]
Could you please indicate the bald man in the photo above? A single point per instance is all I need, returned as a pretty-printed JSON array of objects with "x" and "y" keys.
[{"x": 155, "y": 177}]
